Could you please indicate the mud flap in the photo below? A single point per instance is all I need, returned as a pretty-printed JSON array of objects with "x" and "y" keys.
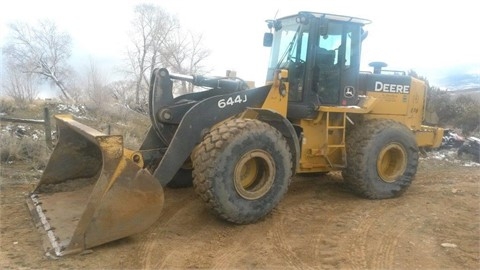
[{"x": 92, "y": 191}]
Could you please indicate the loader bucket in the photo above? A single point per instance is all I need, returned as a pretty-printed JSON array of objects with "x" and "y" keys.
[{"x": 92, "y": 191}]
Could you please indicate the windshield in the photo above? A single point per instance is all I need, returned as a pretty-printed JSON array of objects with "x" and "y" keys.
[{"x": 289, "y": 44}]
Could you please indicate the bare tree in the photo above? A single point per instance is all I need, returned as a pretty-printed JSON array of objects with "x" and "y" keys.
[
  {"x": 41, "y": 50},
  {"x": 158, "y": 39},
  {"x": 96, "y": 86},
  {"x": 151, "y": 27},
  {"x": 184, "y": 53},
  {"x": 22, "y": 87},
  {"x": 122, "y": 92}
]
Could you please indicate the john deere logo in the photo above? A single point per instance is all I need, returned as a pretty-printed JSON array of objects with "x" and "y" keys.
[{"x": 349, "y": 92}]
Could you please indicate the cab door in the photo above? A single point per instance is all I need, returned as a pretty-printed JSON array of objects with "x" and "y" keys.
[{"x": 336, "y": 64}]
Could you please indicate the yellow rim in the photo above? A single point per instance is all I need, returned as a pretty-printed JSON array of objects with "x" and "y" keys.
[
  {"x": 254, "y": 174},
  {"x": 391, "y": 162}
]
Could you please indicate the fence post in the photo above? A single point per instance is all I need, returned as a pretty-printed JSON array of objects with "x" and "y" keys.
[{"x": 48, "y": 130}]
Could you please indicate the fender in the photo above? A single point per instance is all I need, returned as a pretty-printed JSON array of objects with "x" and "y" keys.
[{"x": 283, "y": 125}]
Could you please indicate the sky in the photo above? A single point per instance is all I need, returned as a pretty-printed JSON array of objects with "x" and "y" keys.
[{"x": 434, "y": 38}]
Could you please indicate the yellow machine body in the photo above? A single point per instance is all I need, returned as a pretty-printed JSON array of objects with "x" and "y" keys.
[
  {"x": 324, "y": 134},
  {"x": 240, "y": 147}
]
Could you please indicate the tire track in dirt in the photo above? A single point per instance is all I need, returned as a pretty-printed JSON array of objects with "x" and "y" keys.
[
  {"x": 282, "y": 247},
  {"x": 296, "y": 208},
  {"x": 373, "y": 243},
  {"x": 191, "y": 237},
  {"x": 339, "y": 227},
  {"x": 357, "y": 245},
  {"x": 317, "y": 225},
  {"x": 388, "y": 243},
  {"x": 313, "y": 205},
  {"x": 226, "y": 256},
  {"x": 151, "y": 250},
  {"x": 323, "y": 248},
  {"x": 239, "y": 243}
]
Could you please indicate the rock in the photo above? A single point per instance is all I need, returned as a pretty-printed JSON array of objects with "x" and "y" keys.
[{"x": 448, "y": 245}]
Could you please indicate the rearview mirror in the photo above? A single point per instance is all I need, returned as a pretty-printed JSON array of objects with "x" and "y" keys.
[
  {"x": 364, "y": 35},
  {"x": 323, "y": 27},
  {"x": 267, "y": 39}
]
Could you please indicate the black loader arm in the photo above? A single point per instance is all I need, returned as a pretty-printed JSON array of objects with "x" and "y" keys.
[{"x": 192, "y": 115}]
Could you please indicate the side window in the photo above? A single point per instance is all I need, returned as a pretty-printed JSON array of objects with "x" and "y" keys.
[
  {"x": 331, "y": 44},
  {"x": 348, "y": 49},
  {"x": 303, "y": 47},
  {"x": 338, "y": 43},
  {"x": 296, "y": 67},
  {"x": 329, "y": 57}
]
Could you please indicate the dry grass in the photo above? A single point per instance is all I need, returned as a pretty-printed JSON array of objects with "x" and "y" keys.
[
  {"x": 29, "y": 145},
  {"x": 25, "y": 149}
]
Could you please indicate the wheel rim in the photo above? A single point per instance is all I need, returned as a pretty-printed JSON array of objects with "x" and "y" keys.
[
  {"x": 391, "y": 162},
  {"x": 254, "y": 174}
]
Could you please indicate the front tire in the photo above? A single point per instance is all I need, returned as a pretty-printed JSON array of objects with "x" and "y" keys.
[
  {"x": 382, "y": 159},
  {"x": 242, "y": 169}
]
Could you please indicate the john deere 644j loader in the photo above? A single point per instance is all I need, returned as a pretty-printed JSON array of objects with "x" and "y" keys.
[{"x": 240, "y": 147}]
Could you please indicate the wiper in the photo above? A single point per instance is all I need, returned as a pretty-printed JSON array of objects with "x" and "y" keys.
[{"x": 289, "y": 48}]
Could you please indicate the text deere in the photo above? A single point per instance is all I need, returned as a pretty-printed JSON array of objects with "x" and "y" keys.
[{"x": 392, "y": 88}]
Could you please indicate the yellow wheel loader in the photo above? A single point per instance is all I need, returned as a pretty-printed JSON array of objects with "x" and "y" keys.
[{"x": 240, "y": 147}]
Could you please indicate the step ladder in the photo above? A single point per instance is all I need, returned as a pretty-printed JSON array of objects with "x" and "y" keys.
[{"x": 335, "y": 123}]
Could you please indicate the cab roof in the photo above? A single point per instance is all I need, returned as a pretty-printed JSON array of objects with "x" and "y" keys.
[{"x": 333, "y": 17}]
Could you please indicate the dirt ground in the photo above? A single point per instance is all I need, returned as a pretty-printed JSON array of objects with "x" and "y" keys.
[{"x": 318, "y": 225}]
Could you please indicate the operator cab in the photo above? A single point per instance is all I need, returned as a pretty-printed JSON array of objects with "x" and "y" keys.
[{"x": 322, "y": 55}]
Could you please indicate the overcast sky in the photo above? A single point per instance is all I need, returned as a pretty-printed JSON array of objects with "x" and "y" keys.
[{"x": 430, "y": 37}]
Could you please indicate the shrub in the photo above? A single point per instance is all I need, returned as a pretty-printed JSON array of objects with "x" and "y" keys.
[
  {"x": 26, "y": 149},
  {"x": 7, "y": 106}
]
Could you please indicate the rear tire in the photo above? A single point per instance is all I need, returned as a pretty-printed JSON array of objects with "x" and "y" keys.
[
  {"x": 242, "y": 169},
  {"x": 382, "y": 159}
]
